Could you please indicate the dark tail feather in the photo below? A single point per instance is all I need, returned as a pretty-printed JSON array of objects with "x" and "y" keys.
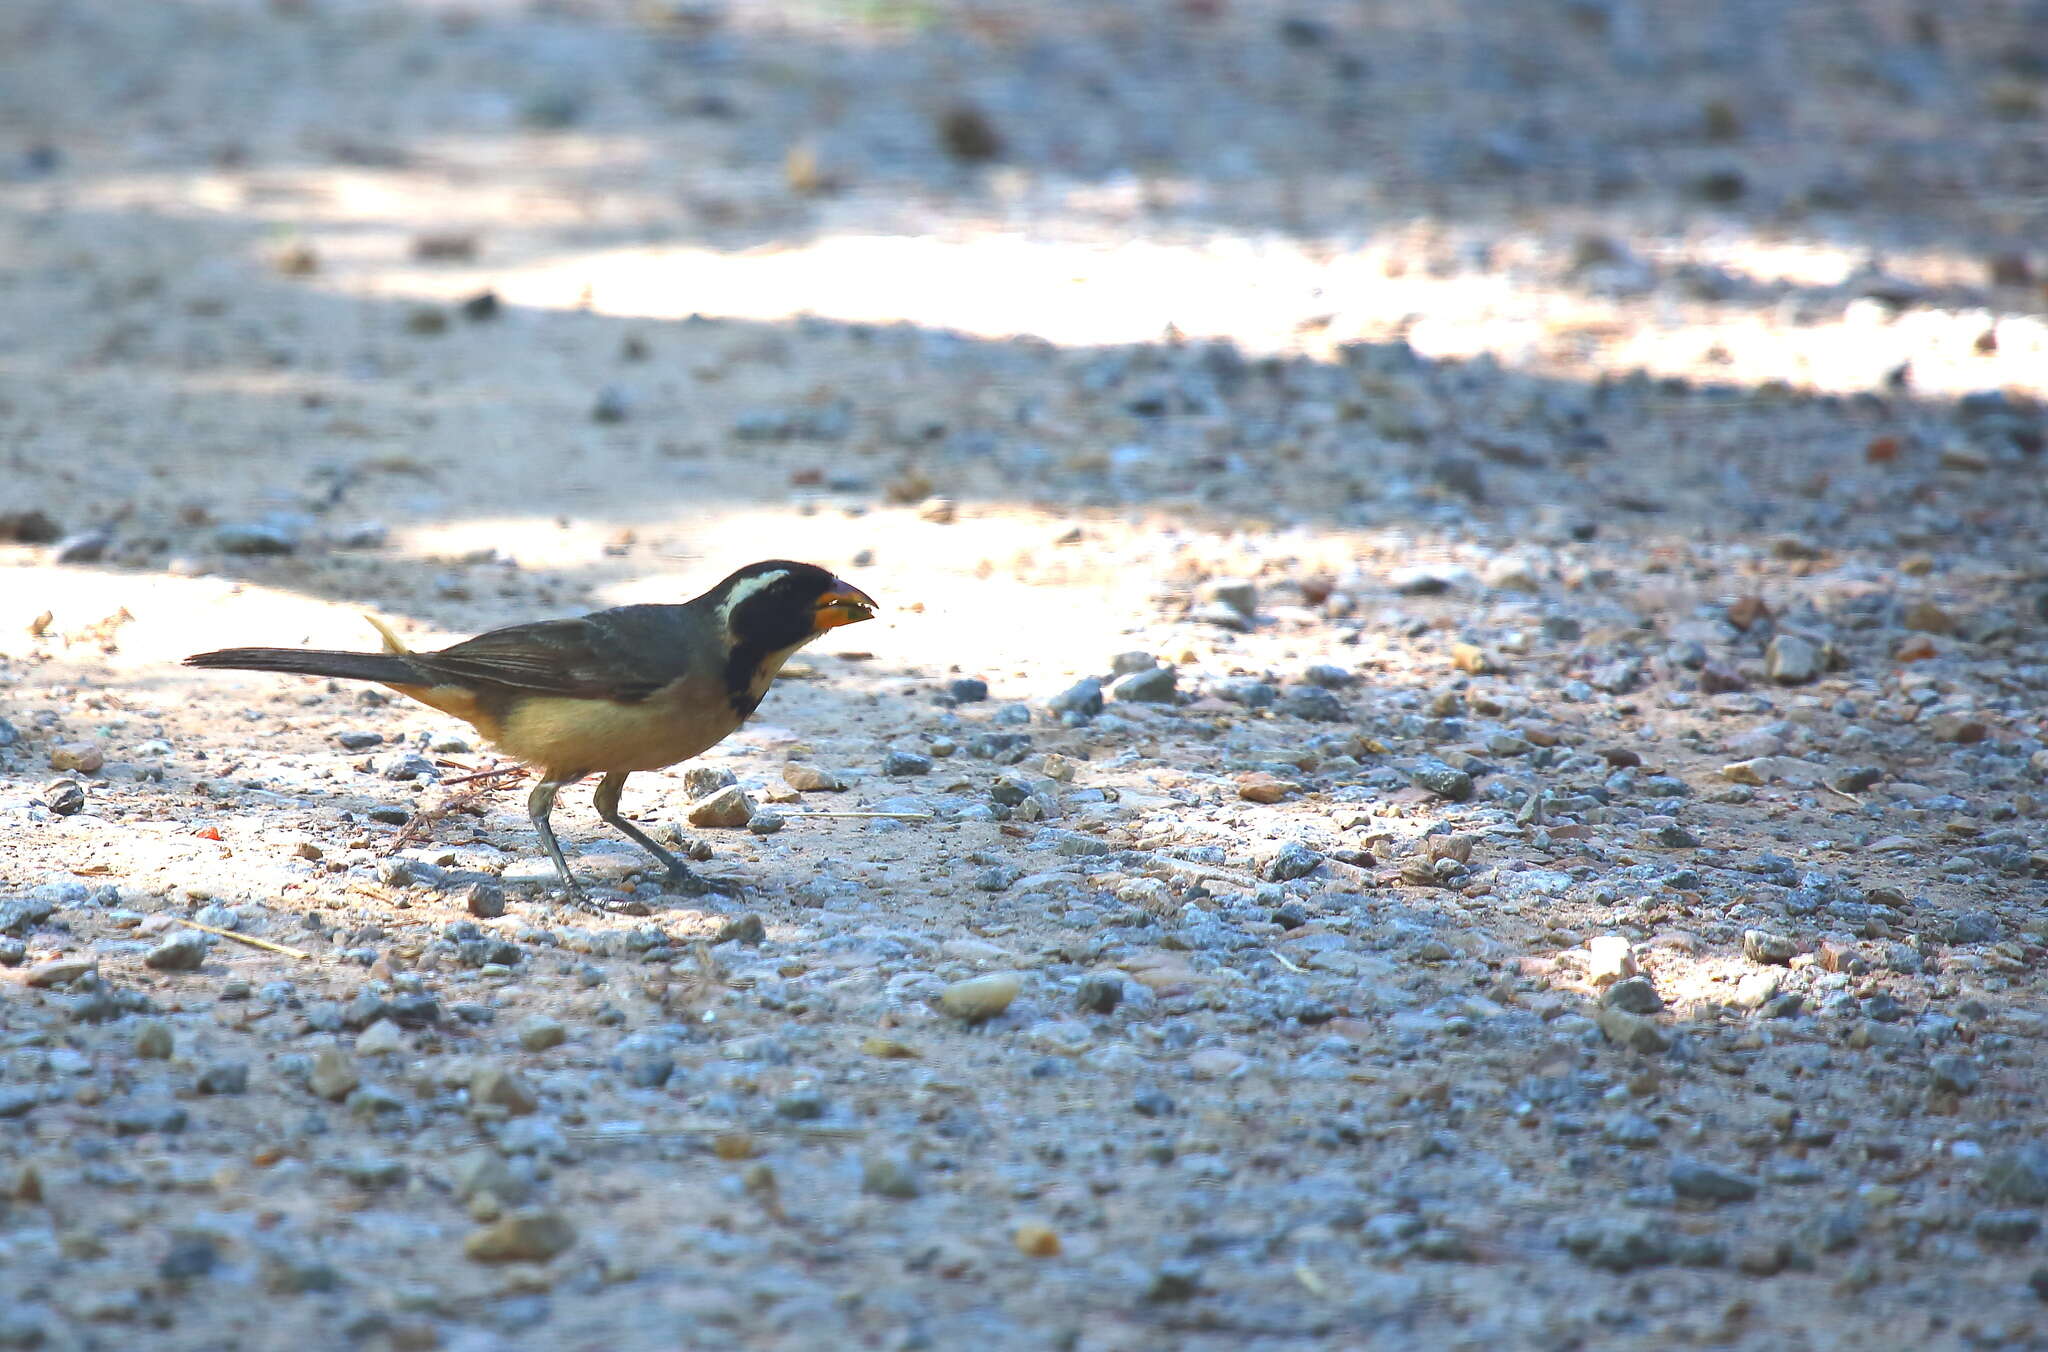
[{"x": 313, "y": 662}]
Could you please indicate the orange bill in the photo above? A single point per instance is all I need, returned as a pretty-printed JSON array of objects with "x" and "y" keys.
[{"x": 844, "y": 603}]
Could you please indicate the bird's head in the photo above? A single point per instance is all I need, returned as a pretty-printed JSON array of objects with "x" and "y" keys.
[{"x": 775, "y": 604}]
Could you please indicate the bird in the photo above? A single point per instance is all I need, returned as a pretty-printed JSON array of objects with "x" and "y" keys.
[{"x": 612, "y": 692}]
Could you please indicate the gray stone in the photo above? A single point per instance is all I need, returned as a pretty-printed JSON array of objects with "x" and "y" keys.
[
  {"x": 1698, "y": 1181},
  {"x": 1154, "y": 686},
  {"x": 1791, "y": 660},
  {"x": 1292, "y": 860},
  {"x": 1443, "y": 780},
  {"x": 181, "y": 952},
  {"x": 1082, "y": 697}
]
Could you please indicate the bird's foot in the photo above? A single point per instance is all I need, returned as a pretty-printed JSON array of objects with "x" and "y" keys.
[{"x": 689, "y": 883}]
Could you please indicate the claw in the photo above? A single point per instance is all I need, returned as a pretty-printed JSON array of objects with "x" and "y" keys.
[{"x": 685, "y": 882}]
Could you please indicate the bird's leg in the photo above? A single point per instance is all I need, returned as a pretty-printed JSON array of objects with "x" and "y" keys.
[
  {"x": 680, "y": 876},
  {"x": 539, "y": 804}
]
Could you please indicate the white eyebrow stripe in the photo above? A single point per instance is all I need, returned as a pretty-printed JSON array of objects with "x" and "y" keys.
[{"x": 747, "y": 587}]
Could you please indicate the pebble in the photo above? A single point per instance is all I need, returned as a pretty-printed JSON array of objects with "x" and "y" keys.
[
  {"x": 496, "y": 1086},
  {"x": 525, "y": 1236},
  {"x": 1099, "y": 993},
  {"x": 227, "y": 1077},
  {"x": 980, "y": 998},
  {"x": 538, "y": 1032},
  {"x": 1152, "y": 686},
  {"x": 728, "y": 807},
  {"x": 1611, "y": 958},
  {"x": 153, "y": 1040},
  {"x": 401, "y": 766},
  {"x": 1442, "y": 780},
  {"x": 81, "y": 757},
  {"x": 57, "y": 972},
  {"x": 1698, "y": 1181},
  {"x": 810, "y": 779},
  {"x": 184, "y": 951},
  {"x": 381, "y": 1038},
  {"x": 701, "y": 781},
  {"x": 334, "y": 1074},
  {"x": 1634, "y": 994},
  {"x": 270, "y": 536},
  {"x": 902, "y": 764},
  {"x": 1791, "y": 660},
  {"x": 1292, "y": 860},
  {"x": 1634, "y": 1031},
  {"x": 889, "y": 1174},
  {"x": 2019, "y": 1177},
  {"x": 1217, "y": 1063},
  {"x": 1258, "y": 786},
  {"x": 1763, "y": 946},
  {"x": 1084, "y": 697},
  {"x": 766, "y": 823}
]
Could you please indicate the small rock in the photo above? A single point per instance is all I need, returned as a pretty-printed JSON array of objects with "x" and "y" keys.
[
  {"x": 2006, "y": 1227},
  {"x": 401, "y": 766},
  {"x": 979, "y": 998},
  {"x": 1635, "y": 995},
  {"x": 182, "y": 952},
  {"x": 85, "y": 546},
  {"x": 1240, "y": 594},
  {"x": 1974, "y": 927},
  {"x": 1292, "y": 860},
  {"x": 613, "y": 405},
  {"x": 1217, "y": 1063},
  {"x": 1099, "y": 993},
  {"x": 701, "y": 781},
  {"x": 1154, "y": 686},
  {"x": 1698, "y": 1181},
  {"x": 2018, "y": 1176},
  {"x": 903, "y": 764},
  {"x": 228, "y": 1077},
  {"x": 1957, "y": 1075},
  {"x": 729, "y": 807},
  {"x": 1258, "y": 786},
  {"x": 1083, "y": 697},
  {"x": 381, "y": 1038},
  {"x": 1761, "y": 770},
  {"x": 153, "y": 1041},
  {"x": 256, "y": 538},
  {"x": 57, "y": 972},
  {"x": 539, "y": 1032},
  {"x": 1174, "y": 1281},
  {"x": 745, "y": 929},
  {"x": 963, "y": 690},
  {"x": 1634, "y": 1031},
  {"x": 810, "y": 779},
  {"x": 526, "y": 1236},
  {"x": 1763, "y": 946},
  {"x": 66, "y": 797},
  {"x": 81, "y": 757},
  {"x": 1035, "y": 1239},
  {"x": 889, "y": 1174},
  {"x": 1611, "y": 958},
  {"x": 485, "y": 901},
  {"x": 334, "y": 1073},
  {"x": 502, "y": 1088},
  {"x": 1791, "y": 660},
  {"x": 1442, "y": 780},
  {"x": 766, "y": 823}
]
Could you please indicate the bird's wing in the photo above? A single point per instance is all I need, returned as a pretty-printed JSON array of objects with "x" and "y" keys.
[{"x": 625, "y": 655}]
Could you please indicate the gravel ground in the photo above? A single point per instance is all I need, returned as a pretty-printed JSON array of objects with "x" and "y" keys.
[{"x": 1459, "y": 709}]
